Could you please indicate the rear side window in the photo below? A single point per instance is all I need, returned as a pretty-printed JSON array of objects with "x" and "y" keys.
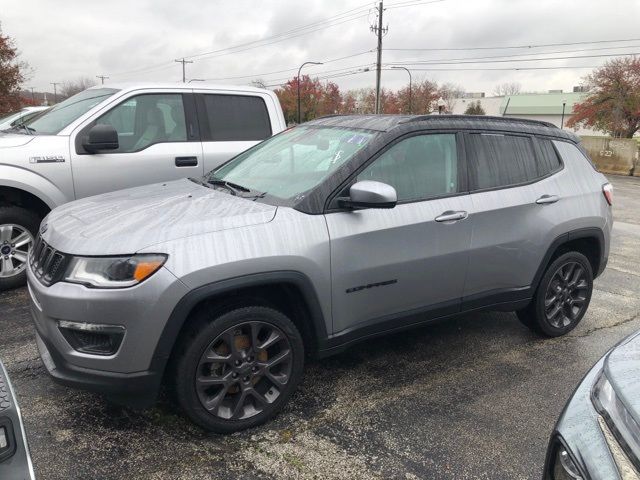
[
  {"x": 501, "y": 160},
  {"x": 549, "y": 161},
  {"x": 236, "y": 118}
]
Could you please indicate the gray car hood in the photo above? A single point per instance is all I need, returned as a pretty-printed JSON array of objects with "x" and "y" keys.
[
  {"x": 127, "y": 221},
  {"x": 14, "y": 139},
  {"x": 622, "y": 367}
]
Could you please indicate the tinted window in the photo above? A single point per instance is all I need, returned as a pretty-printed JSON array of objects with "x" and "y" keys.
[
  {"x": 501, "y": 160},
  {"x": 418, "y": 167},
  {"x": 550, "y": 161},
  {"x": 236, "y": 118},
  {"x": 145, "y": 120}
]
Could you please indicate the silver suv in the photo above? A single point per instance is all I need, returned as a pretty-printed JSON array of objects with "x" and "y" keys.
[
  {"x": 332, "y": 232},
  {"x": 115, "y": 137}
]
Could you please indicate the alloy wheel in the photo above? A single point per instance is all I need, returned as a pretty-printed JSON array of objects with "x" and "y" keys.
[
  {"x": 244, "y": 370},
  {"x": 15, "y": 242},
  {"x": 566, "y": 296}
]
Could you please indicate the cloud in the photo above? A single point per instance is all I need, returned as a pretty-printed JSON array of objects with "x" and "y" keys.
[{"x": 140, "y": 40}]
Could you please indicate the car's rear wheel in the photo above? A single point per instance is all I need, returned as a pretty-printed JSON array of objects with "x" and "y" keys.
[
  {"x": 18, "y": 228},
  {"x": 237, "y": 370},
  {"x": 562, "y": 297}
]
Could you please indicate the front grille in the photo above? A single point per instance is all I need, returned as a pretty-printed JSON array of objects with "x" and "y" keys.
[{"x": 47, "y": 264}]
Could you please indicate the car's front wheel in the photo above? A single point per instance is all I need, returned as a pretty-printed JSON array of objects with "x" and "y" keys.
[
  {"x": 237, "y": 370},
  {"x": 18, "y": 228},
  {"x": 562, "y": 297}
]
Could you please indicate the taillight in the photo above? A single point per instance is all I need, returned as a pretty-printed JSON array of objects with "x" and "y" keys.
[{"x": 607, "y": 190}]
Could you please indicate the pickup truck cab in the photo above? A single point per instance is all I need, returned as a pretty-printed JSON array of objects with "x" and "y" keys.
[{"x": 118, "y": 136}]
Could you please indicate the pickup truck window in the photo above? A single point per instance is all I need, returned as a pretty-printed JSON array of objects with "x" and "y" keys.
[
  {"x": 62, "y": 114},
  {"x": 234, "y": 118}
]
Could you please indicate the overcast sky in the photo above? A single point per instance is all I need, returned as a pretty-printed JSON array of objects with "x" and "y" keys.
[{"x": 138, "y": 40}]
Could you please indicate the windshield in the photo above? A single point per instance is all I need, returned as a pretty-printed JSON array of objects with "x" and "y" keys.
[
  {"x": 294, "y": 162},
  {"x": 53, "y": 121}
]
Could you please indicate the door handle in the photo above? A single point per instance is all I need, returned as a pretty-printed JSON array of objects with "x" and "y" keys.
[
  {"x": 451, "y": 216},
  {"x": 186, "y": 161},
  {"x": 544, "y": 199}
]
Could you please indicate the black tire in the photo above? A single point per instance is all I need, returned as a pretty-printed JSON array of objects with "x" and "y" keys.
[
  {"x": 207, "y": 338},
  {"x": 28, "y": 221},
  {"x": 562, "y": 297}
]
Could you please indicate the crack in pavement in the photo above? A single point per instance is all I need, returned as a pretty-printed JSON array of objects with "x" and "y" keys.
[{"x": 605, "y": 327}]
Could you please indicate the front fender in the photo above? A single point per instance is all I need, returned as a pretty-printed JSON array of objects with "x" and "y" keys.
[{"x": 33, "y": 183}]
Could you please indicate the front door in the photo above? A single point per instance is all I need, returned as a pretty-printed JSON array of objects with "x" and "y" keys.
[
  {"x": 158, "y": 142},
  {"x": 409, "y": 259}
]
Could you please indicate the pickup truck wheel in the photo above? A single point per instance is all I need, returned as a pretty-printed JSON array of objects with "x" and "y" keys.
[
  {"x": 18, "y": 228},
  {"x": 237, "y": 370},
  {"x": 562, "y": 297}
]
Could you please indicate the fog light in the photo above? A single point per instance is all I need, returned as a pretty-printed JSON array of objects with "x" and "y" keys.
[
  {"x": 564, "y": 467},
  {"x": 92, "y": 338}
]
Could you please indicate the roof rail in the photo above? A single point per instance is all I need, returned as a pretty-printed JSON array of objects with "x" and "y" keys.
[{"x": 419, "y": 118}]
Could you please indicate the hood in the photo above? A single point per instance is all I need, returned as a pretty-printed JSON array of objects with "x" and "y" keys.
[
  {"x": 14, "y": 139},
  {"x": 622, "y": 367},
  {"x": 127, "y": 221}
]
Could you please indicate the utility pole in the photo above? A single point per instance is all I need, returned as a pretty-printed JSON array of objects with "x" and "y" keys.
[
  {"x": 184, "y": 62},
  {"x": 33, "y": 95},
  {"x": 55, "y": 92},
  {"x": 379, "y": 31},
  {"x": 102, "y": 78}
]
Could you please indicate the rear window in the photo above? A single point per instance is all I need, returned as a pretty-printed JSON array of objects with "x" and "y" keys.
[
  {"x": 236, "y": 118},
  {"x": 501, "y": 160},
  {"x": 550, "y": 160}
]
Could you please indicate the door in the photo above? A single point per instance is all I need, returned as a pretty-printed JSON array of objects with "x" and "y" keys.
[
  {"x": 413, "y": 257},
  {"x": 158, "y": 140},
  {"x": 231, "y": 123},
  {"x": 515, "y": 196}
]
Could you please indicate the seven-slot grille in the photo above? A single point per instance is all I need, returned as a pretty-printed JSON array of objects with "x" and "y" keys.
[{"x": 47, "y": 264}]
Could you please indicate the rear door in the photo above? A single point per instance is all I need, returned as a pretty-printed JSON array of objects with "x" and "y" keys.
[
  {"x": 159, "y": 141},
  {"x": 231, "y": 123},
  {"x": 515, "y": 196},
  {"x": 386, "y": 263}
]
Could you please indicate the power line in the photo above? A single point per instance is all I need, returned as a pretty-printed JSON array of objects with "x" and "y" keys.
[
  {"x": 571, "y": 57},
  {"x": 496, "y": 69},
  {"x": 102, "y": 78},
  {"x": 447, "y": 49},
  {"x": 413, "y": 3}
]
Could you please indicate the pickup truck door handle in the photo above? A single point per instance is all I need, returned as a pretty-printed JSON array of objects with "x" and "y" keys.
[
  {"x": 451, "y": 216},
  {"x": 544, "y": 199},
  {"x": 186, "y": 161}
]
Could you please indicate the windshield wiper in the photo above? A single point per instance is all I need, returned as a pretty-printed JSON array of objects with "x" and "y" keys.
[
  {"x": 21, "y": 126},
  {"x": 232, "y": 187}
]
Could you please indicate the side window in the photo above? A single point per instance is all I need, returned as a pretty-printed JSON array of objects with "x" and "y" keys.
[
  {"x": 147, "y": 119},
  {"x": 498, "y": 160},
  {"x": 236, "y": 118},
  {"x": 550, "y": 161},
  {"x": 418, "y": 167}
]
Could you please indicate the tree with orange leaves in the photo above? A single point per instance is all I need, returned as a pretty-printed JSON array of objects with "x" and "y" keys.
[
  {"x": 613, "y": 102},
  {"x": 11, "y": 76}
]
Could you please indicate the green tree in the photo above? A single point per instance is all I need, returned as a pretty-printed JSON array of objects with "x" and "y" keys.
[
  {"x": 11, "y": 75},
  {"x": 475, "y": 108}
]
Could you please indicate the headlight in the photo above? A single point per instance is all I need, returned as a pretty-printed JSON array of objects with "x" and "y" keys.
[
  {"x": 618, "y": 418},
  {"x": 563, "y": 467},
  {"x": 113, "y": 272}
]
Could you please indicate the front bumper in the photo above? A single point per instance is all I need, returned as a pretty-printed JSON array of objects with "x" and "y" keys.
[
  {"x": 15, "y": 460},
  {"x": 583, "y": 432},
  {"x": 128, "y": 376}
]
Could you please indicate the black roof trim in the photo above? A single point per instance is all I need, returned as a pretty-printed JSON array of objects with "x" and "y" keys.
[{"x": 420, "y": 118}]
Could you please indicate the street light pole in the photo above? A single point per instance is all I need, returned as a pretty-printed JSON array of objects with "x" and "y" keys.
[
  {"x": 298, "y": 82},
  {"x": 409, "y": 72},
  {"x": 55, "y": 91},
  {"x": 564, "y": 104}
]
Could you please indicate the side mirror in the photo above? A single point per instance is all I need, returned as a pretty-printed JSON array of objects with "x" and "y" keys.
[
  {"x": 370, "y": 194},
  {"x": 101, "y": 137}
]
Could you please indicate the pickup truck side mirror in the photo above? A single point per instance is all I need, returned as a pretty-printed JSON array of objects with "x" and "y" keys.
[
  {"x": 101, "y": 137},
  {"x": 370, "y": 194}
]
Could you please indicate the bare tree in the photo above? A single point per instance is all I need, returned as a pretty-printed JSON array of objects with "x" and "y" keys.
[
  {"x": 258, "y": 83},
  {"x": 71, "y": 87},
  {"x": 449, "y": 92},
  {"x": 507, "y": 88}
]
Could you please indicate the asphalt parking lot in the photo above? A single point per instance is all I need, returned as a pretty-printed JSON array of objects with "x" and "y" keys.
[{"x": 474, "y": 397}]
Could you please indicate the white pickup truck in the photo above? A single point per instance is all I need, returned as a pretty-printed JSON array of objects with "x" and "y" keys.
[{"x": 118, "y": 136}]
